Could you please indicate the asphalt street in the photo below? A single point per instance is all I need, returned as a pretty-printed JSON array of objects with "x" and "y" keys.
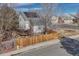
[{"x": 61, "y": 26}]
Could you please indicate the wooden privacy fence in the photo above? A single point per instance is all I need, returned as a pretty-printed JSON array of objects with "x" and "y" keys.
[{"x": 23, "y": 41}]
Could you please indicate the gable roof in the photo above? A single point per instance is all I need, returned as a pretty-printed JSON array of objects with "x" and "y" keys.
[{"x": 31, "y": 14}]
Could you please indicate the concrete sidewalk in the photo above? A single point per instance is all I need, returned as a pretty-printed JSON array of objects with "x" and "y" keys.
[{"x": 53, "y": 50}]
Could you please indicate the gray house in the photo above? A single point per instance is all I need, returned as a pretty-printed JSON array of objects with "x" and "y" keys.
[
  {"x": 23, "y": 22},
  {"x": 36, "y": 23}
]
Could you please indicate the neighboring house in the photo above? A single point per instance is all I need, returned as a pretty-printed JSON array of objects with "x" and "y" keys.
[
  {"x": 60, "y": 20},
  {"x": 54, "y": 20},
  {"x": 23, "y": 22},
  {"x": 68, "y": 19},
  {"x": 38, "y": 25},
  {"x": 37, "y": 22},
  {"x": 57, "y": 20},
  {"x": 65, "y": 19},
  {"x": 76, "y": 19}
]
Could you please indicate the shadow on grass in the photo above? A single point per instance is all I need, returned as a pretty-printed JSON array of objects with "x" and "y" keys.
[{"x": 70, "y": 45}]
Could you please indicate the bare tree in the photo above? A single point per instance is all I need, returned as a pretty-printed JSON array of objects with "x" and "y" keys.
[
  {"x": 48, "y": 9},
  {"x": 8, "y": 21},
  {"x": 77, "y": 15}
]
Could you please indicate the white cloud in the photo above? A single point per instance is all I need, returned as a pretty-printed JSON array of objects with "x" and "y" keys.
[
  {"x": 26, "y": 9},
  {"x": 15, "y": 4},
  {"x": 19, "y": 4}
]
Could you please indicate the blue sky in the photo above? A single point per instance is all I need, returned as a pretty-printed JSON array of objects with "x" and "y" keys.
[
  {"x": 64, "y": 7},
  {"x": 69, "y": 7}
]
